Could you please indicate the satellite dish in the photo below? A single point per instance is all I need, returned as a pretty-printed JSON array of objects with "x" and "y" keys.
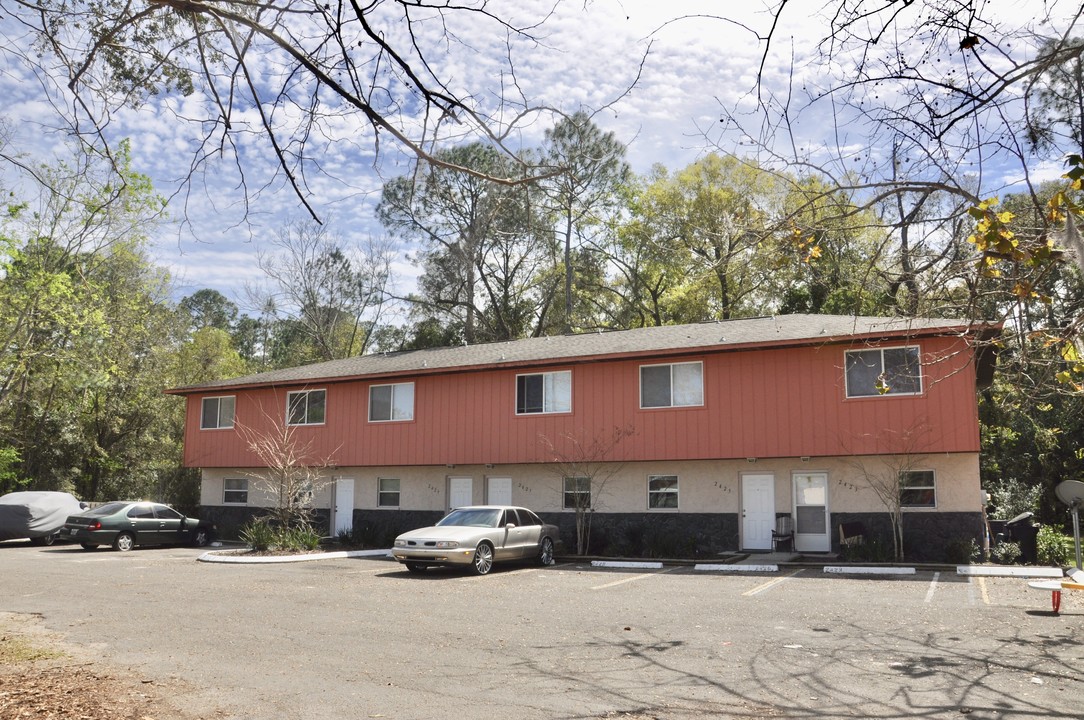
[{"x": 1070, "y": 492}]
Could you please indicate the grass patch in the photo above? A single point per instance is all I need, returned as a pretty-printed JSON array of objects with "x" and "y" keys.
[{"x": 15, "y": 650}]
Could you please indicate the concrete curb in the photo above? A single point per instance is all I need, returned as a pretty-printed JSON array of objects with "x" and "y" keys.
[
  {"x": 867, "y": 570},
  {"x": 626, "y": 564},
  {"x": 1009, "y": 571},
  {"x": 233, "y": 557},
  {"x": 732, "y": 568}
]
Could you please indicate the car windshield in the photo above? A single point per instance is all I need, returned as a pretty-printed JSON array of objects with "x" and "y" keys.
[
  {"x": 482, "y": 517},
  {"x": 107, "y": 509}
]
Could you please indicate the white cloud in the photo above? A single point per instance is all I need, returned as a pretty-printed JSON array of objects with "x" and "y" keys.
[{"x": 586, "y": 54}]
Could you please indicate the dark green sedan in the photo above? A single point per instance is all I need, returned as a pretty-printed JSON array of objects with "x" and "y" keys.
[{"x": 123, "y": 525}]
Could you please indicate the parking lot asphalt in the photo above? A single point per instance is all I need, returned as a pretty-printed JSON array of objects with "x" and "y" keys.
[{"x": 360, "y": 638}]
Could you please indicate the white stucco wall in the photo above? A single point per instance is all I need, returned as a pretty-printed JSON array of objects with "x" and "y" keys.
[{"x": 704, "y": 486}]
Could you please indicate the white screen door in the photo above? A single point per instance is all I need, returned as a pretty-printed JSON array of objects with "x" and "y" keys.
[
  {"x": 757, "y": 511},
  {"x": 811, "y": 512},
  {"x": 499, "y": 491},
  {"x": 460, "y": 492},
  {"x": 342, "y": 506}
]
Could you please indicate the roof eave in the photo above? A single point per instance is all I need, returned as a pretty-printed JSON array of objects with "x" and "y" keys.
[{"x": 983, "y": 329}]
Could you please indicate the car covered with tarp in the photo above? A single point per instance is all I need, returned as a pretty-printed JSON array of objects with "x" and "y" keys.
[{"x": 36, "y": 515}]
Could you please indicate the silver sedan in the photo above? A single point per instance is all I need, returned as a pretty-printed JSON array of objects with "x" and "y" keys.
[{"x": 478, "y": 536}]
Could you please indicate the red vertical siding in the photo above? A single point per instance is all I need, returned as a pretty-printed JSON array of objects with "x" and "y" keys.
[{"x": 757, "y": 403}]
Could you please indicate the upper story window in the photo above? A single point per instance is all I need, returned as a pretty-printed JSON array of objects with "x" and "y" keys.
[
  {"x": 391, "y": 402},
  {"x": 884, "y": 371},
  {"x": 917, "y": 489},
  {"x": 306, "y": 407},
  {"x": 217, "y": 412},
  {"x": 676, "y": 385},
  {"x": 549, "y": 392}
]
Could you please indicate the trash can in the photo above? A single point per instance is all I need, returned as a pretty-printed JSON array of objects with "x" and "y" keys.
[{"x": 1025, "y": 533}]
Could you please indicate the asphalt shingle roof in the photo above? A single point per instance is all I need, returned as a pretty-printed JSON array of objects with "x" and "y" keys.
[{"x": 781, "y": 330}]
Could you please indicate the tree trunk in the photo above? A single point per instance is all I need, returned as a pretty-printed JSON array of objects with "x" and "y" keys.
[{"x": 568, "y": 269}]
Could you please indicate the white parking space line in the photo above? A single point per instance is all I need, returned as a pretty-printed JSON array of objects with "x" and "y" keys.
[
  {"x": 94, "y": 559},
  {"x": 634, "y": 578},
  {"x": 933, "y": 586},
  {"x": 770, "y": 584},
  {"x": 372, "y": 571}
]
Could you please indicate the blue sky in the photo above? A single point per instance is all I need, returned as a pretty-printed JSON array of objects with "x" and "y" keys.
[{"x": 699, "y": 63}]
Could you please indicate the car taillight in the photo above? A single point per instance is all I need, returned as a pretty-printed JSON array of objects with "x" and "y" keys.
[{"x": 94, "y": 526}]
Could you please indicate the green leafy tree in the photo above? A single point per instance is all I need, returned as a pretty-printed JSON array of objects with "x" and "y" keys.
[
  {"x": 589, "y": 168},
  {"x": 210, "y": 308},
  {"x": 645, "y": 285},
  {"x": 10, "y": 479},
  {"x": 829, "y": 259},
  {"x": 207, "y": 355},
  {"x": 89, "y": 335},
  {"x": 478, "y": 246},
  {"x": 713, "y": 220},
  {"x": 1056, "y": 120}
]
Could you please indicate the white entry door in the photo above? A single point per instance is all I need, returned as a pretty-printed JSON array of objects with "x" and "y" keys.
[
  {"x": 811, "y": 512},
  {"x": 757, "y": 511},
  {"x": 499, "y": 491},
  {"x": 460, "y": 492},
  {"x": 342, "y": 506}
]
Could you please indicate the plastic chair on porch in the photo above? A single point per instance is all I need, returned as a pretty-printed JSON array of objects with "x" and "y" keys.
[
  {"x": 851, "y": 534},
  {"x": 784, "y": 532}
]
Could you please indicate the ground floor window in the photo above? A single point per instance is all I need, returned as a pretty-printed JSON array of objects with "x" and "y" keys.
[
  {"x": 577, "y": 493},
  {"x": 388, "y": 492},
  {"x": 662, "y": 492},
  {"x": 917, "y": 489},
  {"x": 235, "y": 491}
]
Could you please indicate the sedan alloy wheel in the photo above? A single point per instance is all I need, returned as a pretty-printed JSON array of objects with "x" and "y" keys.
[
  {"x": 483, "y": 559},
  {"x": 545, "y": 554},
  {"x": 124, "y": 542}
]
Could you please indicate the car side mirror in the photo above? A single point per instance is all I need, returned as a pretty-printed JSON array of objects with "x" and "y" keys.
[{"x": 510, "y": 526}]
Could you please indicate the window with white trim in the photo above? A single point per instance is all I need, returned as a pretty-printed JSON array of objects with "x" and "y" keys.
[
  {"x": 306, "y": 407},
  {"x": 548, "y": 392},
  {"x": 217, "y": 412},
  {"x": 577, "y": 493},
  {"x": 674, "y": 385},
  {"x": 235, "y": 491},
  {"x": 388, "y": 492},
  {"x": 883, "y": 371},
  {"x": 391, "y": 402},
  {"x": 917, "y": 489},
  {"x": 662, "y": 492}
]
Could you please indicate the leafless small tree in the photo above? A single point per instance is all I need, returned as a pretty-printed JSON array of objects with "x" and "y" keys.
[
  {"x": 291, "y": 473},
  {"x": 885, "y": 475},
  {"x": 583, "y": 466},
  {"x": 334, "y": 292}
]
